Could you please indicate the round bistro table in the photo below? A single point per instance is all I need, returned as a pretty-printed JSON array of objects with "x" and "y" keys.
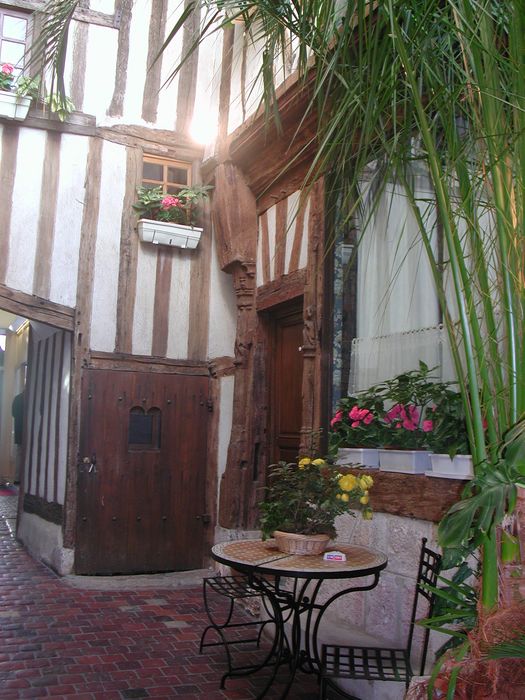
[{"x": 297, "y": 602}]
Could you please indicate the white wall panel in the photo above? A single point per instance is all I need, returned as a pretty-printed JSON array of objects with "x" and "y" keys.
[
  {"x": 25, "y": 212},
  {"x": 144, "y": 300},
  {"x": 223, "y": 311},
  {"x": 101, "y": 59},
  {"x": 271, "y": 215},
  {"x": 107, "y": 251},
  {"x": 291, "y": 220},
  {"x": 179, "y": 310},
  {"x": 225, "y": 425},
  {"x": 303, "y": 257},
  {"x": 137, "y": 61},
  {"x": 69, "y": 212}
]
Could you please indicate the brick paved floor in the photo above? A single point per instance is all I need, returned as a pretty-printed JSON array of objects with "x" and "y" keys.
[{"x": 58, "y": 641}]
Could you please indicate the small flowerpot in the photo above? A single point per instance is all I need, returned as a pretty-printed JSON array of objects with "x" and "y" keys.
[
  {"x": 12, "y": 106},
  {"x": 406, "y": 461},
  {"x": 460, "y": 467},
  {"x": 360, "y": 456},
  {"x": 292, "y": 543},
  {"x": 164, "y": 233}
]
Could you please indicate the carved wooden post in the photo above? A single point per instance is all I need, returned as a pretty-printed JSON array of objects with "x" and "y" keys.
[
  {"x": 312, "y": 315},
  {"x": 235, "y": 220}
]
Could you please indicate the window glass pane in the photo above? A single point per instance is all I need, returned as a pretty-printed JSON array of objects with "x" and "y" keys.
[
  {"x": 140, "y": 429},
  {"x": 14, "y": 28},
  {"x": 179, "y": 175},
  {"x": 152, "y": 171},
  {"x": 12, "y": 53}
]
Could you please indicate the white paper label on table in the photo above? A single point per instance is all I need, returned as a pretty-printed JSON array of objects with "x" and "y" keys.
[{"x": 334, "y": 556}]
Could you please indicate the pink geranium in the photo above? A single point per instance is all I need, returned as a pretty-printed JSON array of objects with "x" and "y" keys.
[
  {"x": 7, "y": 68},
  {"x": 168, "y": 202},
  {"x": 360, "y": 414},
  {"x": 337, "y": 418},
  {"x": 428, "y": 426}
]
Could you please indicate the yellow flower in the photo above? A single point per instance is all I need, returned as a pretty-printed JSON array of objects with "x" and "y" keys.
[
  {"x": 364, "y": 500},
  {"x": 319, "y": 462},
  {"x": 367, "y": 514},
  {"x": 304, "y": 461},
  {"x": 345, "y": 497},
  {"x": 348, "y": 482},
  {"x": 366, "y": 482}
]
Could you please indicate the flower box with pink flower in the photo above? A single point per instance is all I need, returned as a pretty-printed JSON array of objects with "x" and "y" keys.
[
  {"x": 406, "y": 418},
  {"x": 169, "y": 219},
  {"x": 13, "y": 104}
]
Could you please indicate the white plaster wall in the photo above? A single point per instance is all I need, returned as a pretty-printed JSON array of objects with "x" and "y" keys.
[
  {"x": 137, "y": 62},
  {"x": 225, "y": 426},
  {"x": 25, "y": 212},
  {"x": 44, "y": 541},
  {"x": 179, "y": 313},
  {"x": 303, "y": 256},
  {"x": 223, "y": 311},
  {"x": 101, "y": 58},
  {"x": 68, "y": 220},
  {"x": 291, "y": 216},
  {"x": 144, "y": 300},
  {"x": 107, "y": 250}
]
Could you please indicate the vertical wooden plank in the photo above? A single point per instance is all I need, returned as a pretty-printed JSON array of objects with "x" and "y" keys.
[
  {"x": 280, "y": 237},
  {"x": 80, "y": 346},
  {"x": 41, "y": 403},
  {"x": 129, "y": 243},
  {"x": 60, "y": 408},
  {"x": 47, "y": 214},
  {"x": 157, "y": 29},
  {"x": 78, "y": 77},
  {"x": 161, "y": 308},
  {"x": 298, "y": 236},
  {"x": 124, "y": 8},
  {"x": 265, "y": 247},
  {"x": 34, "y": 362},
  {"x": 200, "y": 288},
  {"x": 7, "y": 182},
  {"x": 49, "y": 412},
  {"x": 187, "y": 87}
]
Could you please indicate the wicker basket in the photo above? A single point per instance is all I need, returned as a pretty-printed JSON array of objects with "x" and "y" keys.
[{"x": 291, "y": 543}]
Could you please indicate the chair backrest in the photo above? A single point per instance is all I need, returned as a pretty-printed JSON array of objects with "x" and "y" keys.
[{"x": 427, "y": 575}]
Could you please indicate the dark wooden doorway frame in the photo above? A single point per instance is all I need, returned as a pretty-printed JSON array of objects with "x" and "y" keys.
[{"x": 284, "y": 326}]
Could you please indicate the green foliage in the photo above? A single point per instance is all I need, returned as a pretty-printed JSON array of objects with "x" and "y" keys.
[
  {"x": 182, "y": 208},
  {"x": 60, "y": 105},
  {"x": 27, "y": 86},
  {"x": 306, "y": 498}
]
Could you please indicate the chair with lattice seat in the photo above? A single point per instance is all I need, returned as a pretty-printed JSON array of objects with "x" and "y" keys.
[
  {"x": 340, "y": 662},
  {"x": 227, "y": 624}
]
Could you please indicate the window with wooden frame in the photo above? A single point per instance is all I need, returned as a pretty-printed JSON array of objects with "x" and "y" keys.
[
  {"x": 14, "y": 38},
  {"x": 171, "y": 175}
]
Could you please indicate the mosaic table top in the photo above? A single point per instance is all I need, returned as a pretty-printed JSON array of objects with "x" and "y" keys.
[{"x": 264, "y": 557}]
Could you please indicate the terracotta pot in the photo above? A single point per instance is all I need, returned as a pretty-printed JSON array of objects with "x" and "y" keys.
[{"x": 292, "y": 543}]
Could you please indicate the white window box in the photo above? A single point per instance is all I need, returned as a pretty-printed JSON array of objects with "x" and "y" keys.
[
  {"x": 163, "y": 233},
  {"x": 362, "y": 456},
  {"x": 12, "y": 106},
  {"x": 407, "y": 461},
  {"x": 460, "y": 467}
]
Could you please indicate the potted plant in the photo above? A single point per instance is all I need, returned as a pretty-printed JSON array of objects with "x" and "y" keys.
[
  {"x": 170, "y": 219},
  {"x": 303, "y": 501},
  {"x": 357, "y": 429},
  {"x": 15, "y": 97},
  {"x": 447, "y": 438}
]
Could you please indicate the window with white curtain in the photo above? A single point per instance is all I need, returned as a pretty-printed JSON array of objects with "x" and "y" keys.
[{"x": 386, "y": 311}]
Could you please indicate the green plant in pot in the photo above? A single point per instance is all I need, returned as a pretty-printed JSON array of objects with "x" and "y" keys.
[{"x": 304, "y": 499}]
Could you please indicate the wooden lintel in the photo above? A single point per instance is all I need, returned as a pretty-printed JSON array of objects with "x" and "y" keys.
[
  {"x": 81, "y": 14},
  {"x": 145, "y": 363},
  {"x": 411, "y": 495},
  {"x": 37, "y": 309},
  {"x": 280, "y": 290},
  {"x": 161, "y": 142}
]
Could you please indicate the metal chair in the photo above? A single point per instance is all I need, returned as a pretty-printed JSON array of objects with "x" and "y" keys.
[
  {"x": 234, "y": 588},
  {"x": 381, "y": 663}
]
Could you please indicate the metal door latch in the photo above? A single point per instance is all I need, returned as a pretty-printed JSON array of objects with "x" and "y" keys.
[{"x": 91, "y": 462}]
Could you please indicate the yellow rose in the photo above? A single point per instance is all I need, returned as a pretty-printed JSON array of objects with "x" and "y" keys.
[
  {"x": 348, "y": 482},
  {"x": 319, "y": 462},
  {"x": 364, "y": 500},
  {"x": 304, "y": 461},
  {"x": 345, "y": 497},
  {"x": 366, "y": 482}
]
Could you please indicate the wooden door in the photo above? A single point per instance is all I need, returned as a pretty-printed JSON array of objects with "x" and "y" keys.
[
  {"x": 287, "y": 380},
  {"x": 141, "y": 480}
]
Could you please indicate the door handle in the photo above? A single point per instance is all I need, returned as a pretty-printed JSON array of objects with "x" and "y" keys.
[{"x": 206, "y": 519}]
